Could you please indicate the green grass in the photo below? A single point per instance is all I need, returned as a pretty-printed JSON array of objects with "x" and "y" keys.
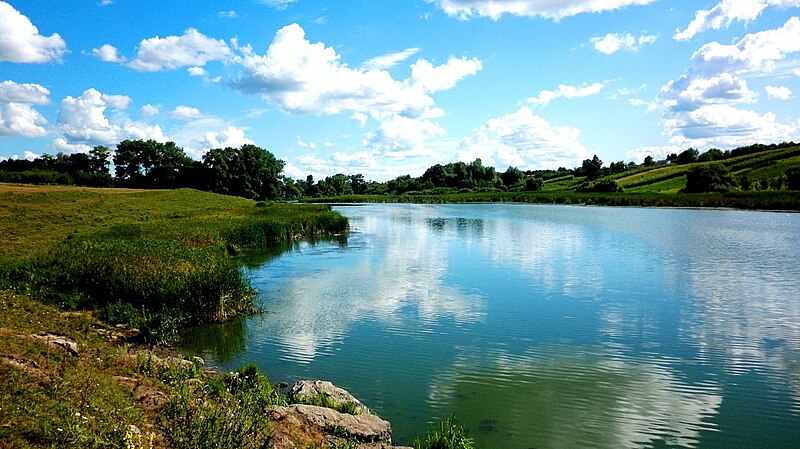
[
  {"x": 655, "y": 186},
  {"x": 156, "y": 260}
]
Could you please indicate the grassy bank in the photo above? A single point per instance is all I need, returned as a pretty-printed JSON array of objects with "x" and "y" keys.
[
  {"x": 756, "y": 200},
  {"x": 152, "y": 259}
]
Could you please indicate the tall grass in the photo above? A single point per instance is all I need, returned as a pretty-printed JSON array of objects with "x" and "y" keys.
[{"x": 167, "y": 260}]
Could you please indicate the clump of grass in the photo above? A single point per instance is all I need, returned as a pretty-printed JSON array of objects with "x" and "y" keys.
[
  {"x": 445, "y": 435},
  {"x": 222, "y": 412}
]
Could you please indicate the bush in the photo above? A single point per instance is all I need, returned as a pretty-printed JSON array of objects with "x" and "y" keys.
[
  {"x": 602, "y": 186},
  {"x": 793, "y": 179},
  {"x": 712, "y": 177}
]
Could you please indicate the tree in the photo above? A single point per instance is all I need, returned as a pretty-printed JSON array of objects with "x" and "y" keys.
[
  {"x": 688, "y": 156},
  {"x": 512, "y": 176},
  {"x": 592, "y": 167},
  {"x": 649, "y": 162},
  {"x": 793, "y": 179},
  {"x": 248, "y": 171},
  {"x": 533, "y": 184},
  {"x": 711, "y": 177}
]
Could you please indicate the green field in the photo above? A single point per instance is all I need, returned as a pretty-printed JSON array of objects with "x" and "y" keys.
[{"x": 659, "y": 185}]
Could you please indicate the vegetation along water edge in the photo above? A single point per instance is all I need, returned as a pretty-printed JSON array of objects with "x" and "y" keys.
[{"x": 93, "y": 280}]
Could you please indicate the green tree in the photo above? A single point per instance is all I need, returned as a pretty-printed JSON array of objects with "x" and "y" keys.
[
  {"x": 592, "y": 167},
  {"x": 688, "y": 156},
  {"x": 793, "y": 179},
  {"x": 649, "y": 162},
  {"x": 711, "y": 177},
  {"x": 512, "y": 176}
]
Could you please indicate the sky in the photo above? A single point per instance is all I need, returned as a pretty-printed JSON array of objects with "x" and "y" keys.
[{"x": 391, "y": 88}]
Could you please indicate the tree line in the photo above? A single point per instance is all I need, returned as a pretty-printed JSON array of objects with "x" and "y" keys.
[{"x": 253, "y": 172}]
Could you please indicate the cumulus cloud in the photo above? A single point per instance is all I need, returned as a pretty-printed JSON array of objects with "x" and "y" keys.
[
  {"x": 231, "y": 136},
  {"x": 304, "y": 144},
  {"x": 197, "y": 71},
  {"x": 17, "y": 115},
  {"x": 11, "y": 92},
  {"x": 689, "y": 93},
  {"x": 149, "y": 110},
  {"x": 21, "y": 42},
  {"x": 564, "y": 91},
  {"x": 185, "y": 113},
  {"x": 19, "y": 119},
  {"x": 303, "y": 77},
  {"x": 82, "y": 120},
  {"x": 727, "y": 12},
  {"x": 402, "y": 137},
  {"x": 227, "y": 14},
  {"x": 389, "y": 60},
  {"x": 548, "y": 9},
  {"x": 613, "y": 42},
  {"x": 754, "y": 52},
  {"x": 190, "y": 49},
  {"x": 724, "y": 126},
  {"x": 108, "y": 53},
  {"x": 525, "y": 140},
  {"x": 779, "y": 92}
]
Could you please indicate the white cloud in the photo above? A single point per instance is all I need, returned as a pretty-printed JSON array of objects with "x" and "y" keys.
[
  {"x": 19, "y": 119},
  {"x": 402, "y": 137},
  {"x": 613, "y": 42},
  {"x": 108, "y": 53},
  {"x": 755, "y": 52},
  {"x": 30, "y": 155},
  {"x": 82, "y": 120},
  {"x": 303, "y": 77},
  {"x": 190, "y": 49},
  {"x": 21, "y": 42},
  {"x": 197, "y": 71},
  {"x": 106, "y": 2},
  {"x": 304, "y": 144},
  {"x": 149, "y": 110},
  {"x": 525, "y": 140},
  {"x": 227, "y": 14},
  {"x": 723, "y": 126},
  {"x": 389, "y": 60},
  {"x": 728, "y": 11},
  {"x": 11, "y": 92},
  {"x": 689, "y": 93},
  {"x": 231, "y": 136},
  {"x": 564, "y": 91},
  {"x": 442, "y": 77},
  {"x": 779, "y": 92},
  {"x": 360, "y": 118},
  {"x": 60, "y": 145},
  {"x": 548, "y": 9},
  {"x": 185, "y": 113},
  {"x": 277, "y": 4}
]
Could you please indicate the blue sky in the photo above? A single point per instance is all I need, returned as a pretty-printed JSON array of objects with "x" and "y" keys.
[{"x": 390, "y": 88}]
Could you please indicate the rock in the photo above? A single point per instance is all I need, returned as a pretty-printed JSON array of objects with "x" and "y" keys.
[
  {"x": 150, "y": 398},
  {"x": 30, "y": 368},
  {"x": 58, "y": 341},
  {"x": 301, "y": 424},
  {"x": 309, "y": 389}
]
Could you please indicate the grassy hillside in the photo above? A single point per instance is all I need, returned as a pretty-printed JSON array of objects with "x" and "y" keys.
[
  {"x": 152, "y": 259},
  {"x": 761, "y": 177}
]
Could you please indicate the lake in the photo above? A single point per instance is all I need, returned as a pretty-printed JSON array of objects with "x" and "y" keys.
[{"x": 542, "y": 326}]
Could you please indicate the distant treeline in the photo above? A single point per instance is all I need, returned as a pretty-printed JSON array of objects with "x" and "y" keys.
[{"x": 253, "y": 172}]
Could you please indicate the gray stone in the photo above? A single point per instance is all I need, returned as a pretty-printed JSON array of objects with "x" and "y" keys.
[
  {"x": 368, "y": 429},
  {"x": 59, "y": 341},
  {"x": 312, "y": 388}
]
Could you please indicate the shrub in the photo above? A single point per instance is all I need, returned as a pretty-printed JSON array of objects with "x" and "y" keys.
[
  {"x": 602, "y": 186},
  {"x": 712, "y": 177}
]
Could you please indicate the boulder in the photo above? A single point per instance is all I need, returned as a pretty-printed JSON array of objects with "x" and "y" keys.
[
  {"x": 298, "y": 425},
  {"x": 58, "y": 342},
  {"x": 306, "y": 390}
]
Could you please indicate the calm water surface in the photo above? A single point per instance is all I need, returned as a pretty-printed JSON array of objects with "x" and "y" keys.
[{"x": 543, "y": 326}]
